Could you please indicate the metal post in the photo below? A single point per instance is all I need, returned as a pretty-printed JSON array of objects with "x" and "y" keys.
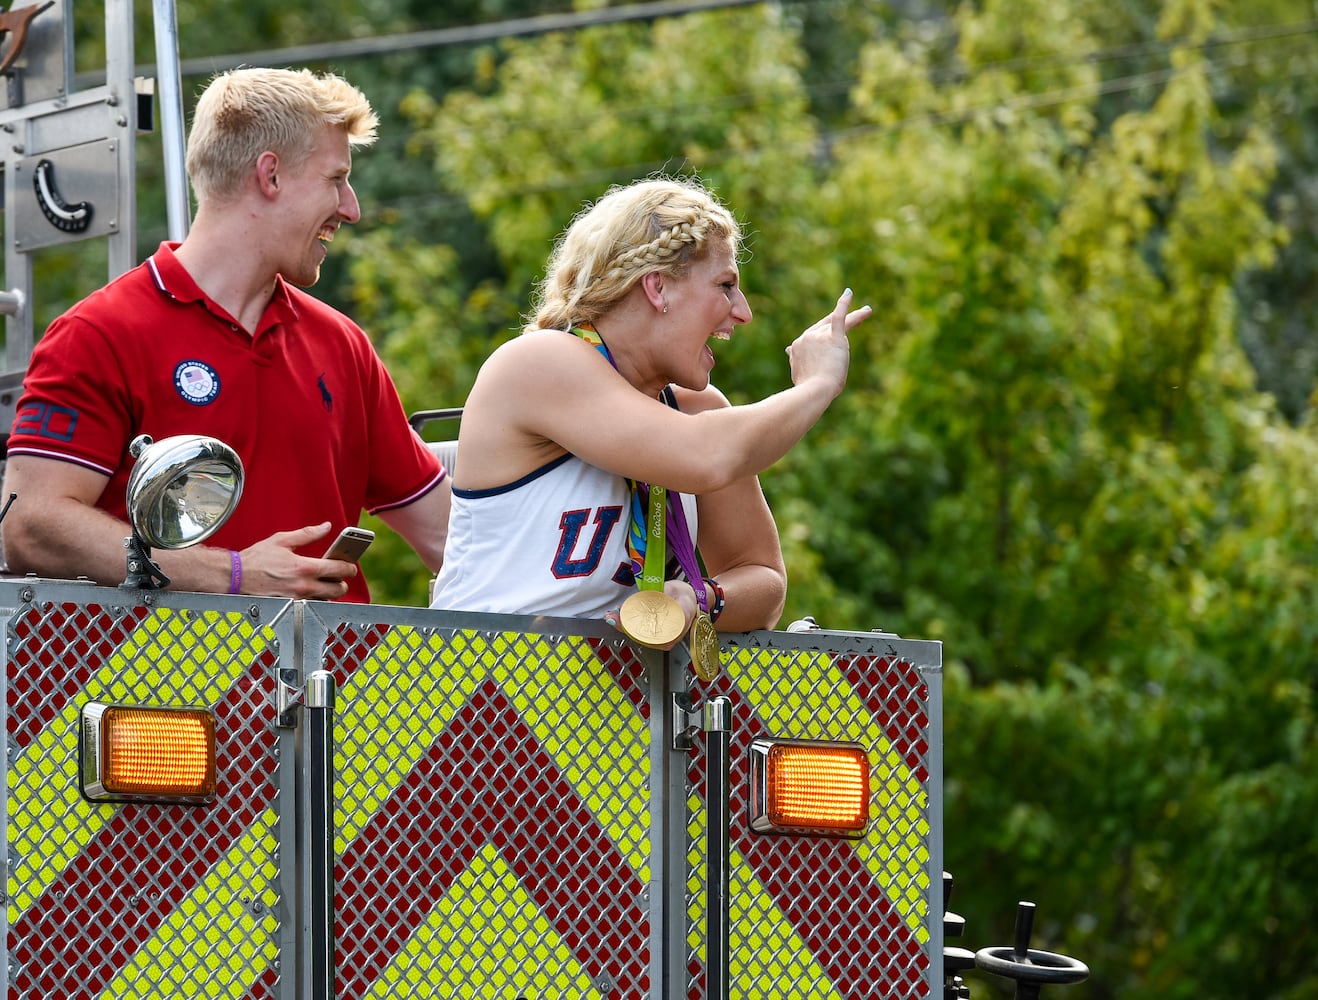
[
  {"x": 718, "y": 847},
  {"x": 122, "y": 102},
  {"x": 320, "y": 846},
  {"x": 170, "y": 84}
]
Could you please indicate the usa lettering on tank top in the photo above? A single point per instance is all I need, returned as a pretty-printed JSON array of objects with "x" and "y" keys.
[
  {"x": 551, "y": 543},
  {"x": 571, "y": 527}
]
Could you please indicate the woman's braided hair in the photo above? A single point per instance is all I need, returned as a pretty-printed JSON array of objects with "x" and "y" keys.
[{"x": 661, "y": 224}]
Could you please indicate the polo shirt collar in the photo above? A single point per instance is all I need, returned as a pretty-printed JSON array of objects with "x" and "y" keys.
[{"x": 173, "y": 279}]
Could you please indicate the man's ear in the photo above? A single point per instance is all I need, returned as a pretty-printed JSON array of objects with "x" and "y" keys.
[{"x": 267, "y": 173}]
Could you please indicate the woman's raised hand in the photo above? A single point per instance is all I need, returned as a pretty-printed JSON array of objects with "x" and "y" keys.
[{"x": 822, "y": 351}]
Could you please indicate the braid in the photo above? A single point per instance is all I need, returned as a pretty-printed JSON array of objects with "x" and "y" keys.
[
  {"x": 655, "y": 225},
  {"x": 660, "y": 251}
]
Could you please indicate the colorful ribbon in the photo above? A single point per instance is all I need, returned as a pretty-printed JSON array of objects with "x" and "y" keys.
[{"x": 640, "y": 528}]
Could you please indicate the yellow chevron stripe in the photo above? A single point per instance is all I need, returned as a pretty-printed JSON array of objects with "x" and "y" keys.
[
  {"x": 49, "y": 822},
  {"x": 769, "y": 959},
  {"x": 810, "y": 705},
  {"x": 380, "y": 734},
  {"x": 582, "y": 719},
  {"x": 601, "y": 744},
  {"x": 213, "y": 945},
  {"x": 487, "y": 935}
]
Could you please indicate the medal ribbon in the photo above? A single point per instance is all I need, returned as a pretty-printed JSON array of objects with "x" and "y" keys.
[
  {"x": 652, "y": 574},
  {"x": 645, "y": 534},
  {"x": 685, "y": 551},
  {"x": 636, "y": 523}
]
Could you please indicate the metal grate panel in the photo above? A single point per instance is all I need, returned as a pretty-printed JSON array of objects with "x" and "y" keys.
[
  {"x": 493, "y": 812},
  {"x": 138, "y": 899},
  {"x": 814, "y": 917},
  {"x": 512, "y": 817}
]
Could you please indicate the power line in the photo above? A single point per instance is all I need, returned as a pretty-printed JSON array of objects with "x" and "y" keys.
[
  {"x": 693, "y": 111},
  {"x": 382, "y": 45},
  {"x": 466, "y": 35},
  {"x": 575, "y": 20},
  {"x": 571, "y": 21},
  {"x": 935, "y": 119},
  {"x": 386, "y": 44},
  {"x": 1241, "y": 36}
]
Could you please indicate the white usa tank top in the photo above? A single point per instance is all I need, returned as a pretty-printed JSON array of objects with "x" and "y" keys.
[{"x": 552, "y": 543}]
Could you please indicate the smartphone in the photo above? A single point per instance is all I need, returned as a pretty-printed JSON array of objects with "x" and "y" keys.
[{"x": 350, "y": 545}]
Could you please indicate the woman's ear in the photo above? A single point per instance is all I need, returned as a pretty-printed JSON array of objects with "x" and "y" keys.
[{"x": 653, "y": 285}]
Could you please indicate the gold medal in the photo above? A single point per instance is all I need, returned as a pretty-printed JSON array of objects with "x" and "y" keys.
[
  {"x": 651, "y": 618},
  {"x": 706, "y": 658}
]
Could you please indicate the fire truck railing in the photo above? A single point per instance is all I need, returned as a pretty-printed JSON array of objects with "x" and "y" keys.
[{"x": 413, "y": 802}]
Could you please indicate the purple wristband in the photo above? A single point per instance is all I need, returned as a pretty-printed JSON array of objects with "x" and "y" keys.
[{"x": 235, "y": 572}]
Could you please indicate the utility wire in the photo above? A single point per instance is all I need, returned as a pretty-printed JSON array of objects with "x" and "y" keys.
[
  {"x": 694, "y": 111},
  {"x": 469, "y": 34},
  {"x": 1271, "y": 33},
  {"x": 388, "y": 44},
  {"x": 828, "y": 139},
  {"x": 1240, "y": 36},
  {"x": 575, "y": 20},
  {"x": 466, "y": 35}
]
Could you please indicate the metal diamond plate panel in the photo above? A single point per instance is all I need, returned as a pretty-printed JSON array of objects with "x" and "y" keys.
[
  {"x": 493, "y": 811},
  {"x": 819, "y": 918},
  {"x": 138, "y": 899}
]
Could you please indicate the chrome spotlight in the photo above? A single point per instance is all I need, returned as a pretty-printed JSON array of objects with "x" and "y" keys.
[{"x": 180, "y": 492}]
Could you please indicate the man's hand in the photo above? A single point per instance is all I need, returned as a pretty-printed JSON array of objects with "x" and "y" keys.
[
  {"x": 55, "y": 530},
  {"x": 272, "y": 568}
]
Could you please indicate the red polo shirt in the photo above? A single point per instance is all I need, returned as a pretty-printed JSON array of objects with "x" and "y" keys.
[{"x": 305, "y": 401}]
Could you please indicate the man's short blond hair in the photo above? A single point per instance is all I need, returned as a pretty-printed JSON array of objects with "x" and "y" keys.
[{"x": 245, "y": 112}]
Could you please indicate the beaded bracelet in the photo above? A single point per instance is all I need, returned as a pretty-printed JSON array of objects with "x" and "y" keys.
[
  {"x": 235, "y": 572},
  {"x": 716, "y": 606}
]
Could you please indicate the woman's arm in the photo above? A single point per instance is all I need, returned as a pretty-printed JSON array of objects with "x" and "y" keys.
[
  {"x": 739, "y": 542},
  {"x": 740, "y": 548},
  {"x": 541, "y": 394}
]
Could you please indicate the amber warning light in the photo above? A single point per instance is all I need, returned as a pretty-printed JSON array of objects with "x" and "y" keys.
[
  {"x": 150, "y": 753},
  {"x": 809, "y": 787}
]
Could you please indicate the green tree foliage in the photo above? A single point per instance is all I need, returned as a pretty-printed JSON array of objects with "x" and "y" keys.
[
  {"x": 1067, "y": 342},
  {"x": 1276, "y": 86}
]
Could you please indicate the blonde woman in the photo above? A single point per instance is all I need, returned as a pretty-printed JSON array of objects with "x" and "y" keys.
[{"x": 609, "y": 387}]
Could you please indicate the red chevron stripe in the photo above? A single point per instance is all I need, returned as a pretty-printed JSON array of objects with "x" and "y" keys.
[
  {"x": 60, "y": 651},
  {"x": 896, "y": 695},
  {"x": 347, "y": 646},
  {"x": 488, "y": 781},
  {"x": 627, "y": 671},
  {"x": 848, "y": 922},
  {"x": 264, "y": 987},
  {"x": 138, "y": 868}
]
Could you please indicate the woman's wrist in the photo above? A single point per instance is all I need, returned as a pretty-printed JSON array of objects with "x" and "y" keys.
[{"x": 715, "y": 599}]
